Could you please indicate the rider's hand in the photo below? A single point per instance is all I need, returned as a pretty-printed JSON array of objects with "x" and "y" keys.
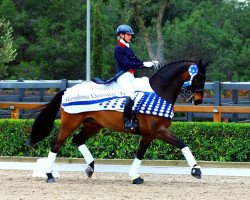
[
  {"x": 156, "y": 64},
  {"x": 148, "y": 64}
]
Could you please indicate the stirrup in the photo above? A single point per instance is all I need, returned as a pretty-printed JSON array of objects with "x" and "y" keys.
[{"x": 131, "y": 126}]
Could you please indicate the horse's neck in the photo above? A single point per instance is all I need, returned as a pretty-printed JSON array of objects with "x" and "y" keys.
[{"x": 167, "y": 89}]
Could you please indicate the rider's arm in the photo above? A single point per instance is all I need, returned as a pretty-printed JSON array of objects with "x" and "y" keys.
[{"x": 127, "y": 59}]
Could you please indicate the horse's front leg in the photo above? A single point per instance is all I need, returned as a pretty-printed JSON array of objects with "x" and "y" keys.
[
  {"x": 133, "y": 172},
  {"x": 171, "y": 138}
]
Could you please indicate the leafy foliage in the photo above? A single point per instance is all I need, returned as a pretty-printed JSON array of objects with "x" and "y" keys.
[
  {"x": 208, "y": 141},
  {"x": 7, "y": 52},
  {"x": 97, "y": 51},
  {"x": 50, "y": 36},
  {"x": 211, "y": 31}
]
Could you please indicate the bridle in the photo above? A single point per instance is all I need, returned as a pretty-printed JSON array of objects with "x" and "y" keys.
[{"x": 186, "y": 93}]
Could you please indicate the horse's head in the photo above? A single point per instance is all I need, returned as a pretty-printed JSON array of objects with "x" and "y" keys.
[
  {"x": 186, "y": 78},
  {"x": 195, "y": 81}
]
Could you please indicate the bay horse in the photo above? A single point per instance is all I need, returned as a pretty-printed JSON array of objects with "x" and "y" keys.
[{"x": 167, "y": 83}]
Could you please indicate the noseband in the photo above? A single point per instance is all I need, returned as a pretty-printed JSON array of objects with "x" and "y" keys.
[{"x": 186, "y": 93}]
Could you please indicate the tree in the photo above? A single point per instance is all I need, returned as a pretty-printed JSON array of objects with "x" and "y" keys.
[
  {"x": 7, "y": 52},
  {"x": 141, "y": 10},
  {"x": 49, "y": 37},
  {"x": 59, "y": 38},
  {"x": 211, "y": 31},
  {"x": 97, "y": 51},
  {"x": 106, "y": 18}
]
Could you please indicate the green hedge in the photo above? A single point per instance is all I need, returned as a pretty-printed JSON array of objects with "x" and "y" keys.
[{"x": 208, "y": 141}]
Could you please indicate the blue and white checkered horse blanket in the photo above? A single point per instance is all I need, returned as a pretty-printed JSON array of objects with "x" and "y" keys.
[{"x": 90, "y": 96}]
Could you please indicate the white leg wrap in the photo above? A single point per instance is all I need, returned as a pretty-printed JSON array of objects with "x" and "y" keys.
[
  {"x": 133, "y": 172},
  {"x": 189, "y": 156},
  {"x": 50, "y": 162},
  {"x": 86, "y": 153}
]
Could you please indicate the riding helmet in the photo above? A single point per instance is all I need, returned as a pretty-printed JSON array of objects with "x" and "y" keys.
[{"x": 124, "y": 29}]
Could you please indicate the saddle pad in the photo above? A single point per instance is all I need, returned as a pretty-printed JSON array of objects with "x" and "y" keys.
[{"x": 90, "y": 96}]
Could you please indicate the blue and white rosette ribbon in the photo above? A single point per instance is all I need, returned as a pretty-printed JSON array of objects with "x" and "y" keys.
[{"x": 193, "y": 70}]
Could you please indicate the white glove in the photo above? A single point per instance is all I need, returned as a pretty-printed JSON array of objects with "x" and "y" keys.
[
  {"x": 148, "y": 64},
  {"x": 156, "y": 65},
  {"x": 156, "y": 62}
]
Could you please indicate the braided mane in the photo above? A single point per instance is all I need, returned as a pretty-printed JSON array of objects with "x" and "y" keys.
[
  {"x": 174, "y": 63},
  {"x": 171, "y": 68}
]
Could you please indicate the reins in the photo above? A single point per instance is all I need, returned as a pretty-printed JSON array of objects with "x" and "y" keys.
[{"x": 185, "y": 93}]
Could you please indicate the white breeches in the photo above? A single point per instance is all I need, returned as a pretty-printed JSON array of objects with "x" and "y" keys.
[{"x": 125, "y": 82}]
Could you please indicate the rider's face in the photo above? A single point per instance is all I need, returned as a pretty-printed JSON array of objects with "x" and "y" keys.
[{"x": 127, "y": 37}]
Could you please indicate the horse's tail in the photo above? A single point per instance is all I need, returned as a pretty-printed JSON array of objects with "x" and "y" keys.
[{"x": 44, "y": 122}]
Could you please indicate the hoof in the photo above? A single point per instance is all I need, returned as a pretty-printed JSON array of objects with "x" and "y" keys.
[
  {"x": 196, "y": 172},
  {"x": 89, "y": 171},
  {"x": 138, "y": 181},
  {"x": 50, "y": 179}
]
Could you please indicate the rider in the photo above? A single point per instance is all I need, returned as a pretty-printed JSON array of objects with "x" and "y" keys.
[{"x": 127, "y": 64}]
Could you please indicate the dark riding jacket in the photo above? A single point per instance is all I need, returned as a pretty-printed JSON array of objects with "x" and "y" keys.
[{"x": 126, "y": 59}]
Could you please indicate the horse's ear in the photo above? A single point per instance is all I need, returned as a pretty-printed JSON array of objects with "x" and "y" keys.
[
  {"x": 207, "y": 63},
  {"x": 199, "y": 63}
]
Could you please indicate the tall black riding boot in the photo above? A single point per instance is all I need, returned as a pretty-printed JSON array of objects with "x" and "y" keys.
[{"x": 129, "y": 123}]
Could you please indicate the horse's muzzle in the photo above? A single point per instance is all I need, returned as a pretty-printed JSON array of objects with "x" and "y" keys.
[
  {"x": 197, "y": 98},
  {"x": 197, "y": 102}
]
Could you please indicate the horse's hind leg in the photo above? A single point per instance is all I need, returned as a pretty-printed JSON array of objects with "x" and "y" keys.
[
  {"x": 86, "y": 132},
  {"x": 171, "y": 138},
  {"x": 69, "y": 124}
]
